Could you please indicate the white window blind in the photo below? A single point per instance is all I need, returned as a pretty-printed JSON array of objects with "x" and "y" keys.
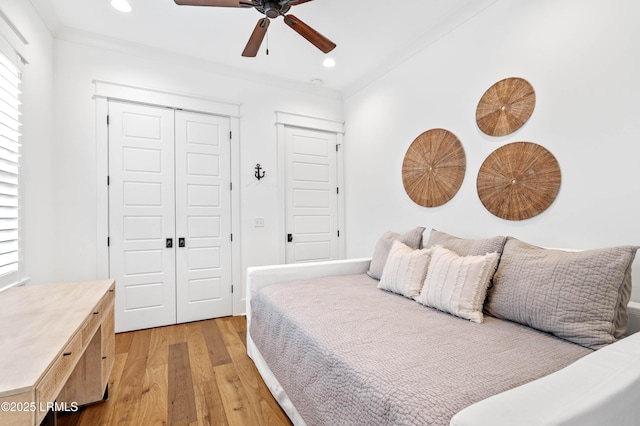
[{"x": 10, "y": 254}]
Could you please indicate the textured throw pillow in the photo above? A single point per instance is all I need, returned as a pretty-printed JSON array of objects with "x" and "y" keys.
[
  {"x": 405, "y": 270},
  {"x": 412, "y": 238},
  {"x": 578, "y": 296},
  {"x": 458, "y": 284},
  {"x": 466, "y": 247}
]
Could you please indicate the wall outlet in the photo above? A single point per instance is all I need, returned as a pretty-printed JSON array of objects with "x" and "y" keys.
[{"x": 258, "y": 222}]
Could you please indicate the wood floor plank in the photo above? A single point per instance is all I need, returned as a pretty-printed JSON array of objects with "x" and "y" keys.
[
  {"x": 123, "y": 342},
  {"x": 182, "y": 406},
  {"x": 260, "y": 397},
  {"x": 232, "y": 341},
  {"x": 217, "y": 350},
  {"x": 176, "y": 333},
  {"x": 239, "y": 323},
  {"x": 209, "y": 404},
  {"x": 234, "y": 397},
  {"x": 153, "y": 407},
  {"x": 127, "y": 399},
  {"x": 243, "y": 339},
  {"x": 201, "y": 368}
]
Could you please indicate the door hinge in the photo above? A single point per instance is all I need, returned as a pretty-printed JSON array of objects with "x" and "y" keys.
[
  {"x": 338, "y": 233},
  {"x": 337, "y": 147},
  {"x": 230, "y": 135},
  {"x": 231, "y": 288},
  {"x": 230, "y": 186},
  {"x": 108, "y": 181},
  {"x": 231, "y": 237},
  {"x": 338, "y": 190},
  {"x": 108, "y": 242},
  {"x": 107, "y": 119}
]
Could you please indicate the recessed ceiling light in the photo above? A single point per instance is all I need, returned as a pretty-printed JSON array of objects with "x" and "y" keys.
[
  {"x": 329, "y": 62},
  {"x": 121, "y": 5}
]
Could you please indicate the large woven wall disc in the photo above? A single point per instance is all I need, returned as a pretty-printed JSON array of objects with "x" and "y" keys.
[
  {"x": 433, "y": 168},
  {"x": 505, "y": 106},
  {"x": 519, "y": 180}
]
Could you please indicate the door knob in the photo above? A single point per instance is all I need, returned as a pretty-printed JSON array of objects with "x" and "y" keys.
[
  {"x": 289, "y": 238},
  {"x": 181, "y": 242},
  {"x": 169, "y": 243}
]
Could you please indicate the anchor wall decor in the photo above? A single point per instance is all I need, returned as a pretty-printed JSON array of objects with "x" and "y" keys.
[{"x": 257, "y": 174}]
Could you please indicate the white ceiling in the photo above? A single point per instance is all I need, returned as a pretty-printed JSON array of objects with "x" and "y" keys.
[{"x": 372, "y": 36}]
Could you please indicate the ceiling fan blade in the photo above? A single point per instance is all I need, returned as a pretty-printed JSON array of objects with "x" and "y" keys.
[
  {"x": 215, "y": 3},
  {"x": 295, "y": 3},
  {"x": 314, "y": 37},
  {"x": 253, "y": 45}
]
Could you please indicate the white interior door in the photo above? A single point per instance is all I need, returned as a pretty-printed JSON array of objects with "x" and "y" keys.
[
  {"x": 203, "y": 217},
  {"x": 311, "y": 195},
  {"x": 142, "y": 214}
]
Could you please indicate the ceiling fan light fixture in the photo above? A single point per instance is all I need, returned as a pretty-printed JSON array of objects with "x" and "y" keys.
[
  {"x": 329, "y": 62},
  {"x": 272, "y": 9},
  {"x": 121, "y": 5}
]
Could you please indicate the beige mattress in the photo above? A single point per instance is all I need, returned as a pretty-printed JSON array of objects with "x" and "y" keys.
[{"x": 347, "y": 353}]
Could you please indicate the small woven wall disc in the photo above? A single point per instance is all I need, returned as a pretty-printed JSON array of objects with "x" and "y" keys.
[
  {"x": 433, "y": 168},
  {"x": 518, "y": 181},
  {"x": 505, "y": 106}
]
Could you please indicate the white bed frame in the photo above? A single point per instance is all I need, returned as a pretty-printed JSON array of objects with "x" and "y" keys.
[{"x": 602, "y": 388}]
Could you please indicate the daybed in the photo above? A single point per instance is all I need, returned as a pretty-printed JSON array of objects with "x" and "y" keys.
[{"x": 360, "y": 342}]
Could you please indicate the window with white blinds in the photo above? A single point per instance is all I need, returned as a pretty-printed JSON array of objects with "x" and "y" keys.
[{"x": 10, "y": 254}]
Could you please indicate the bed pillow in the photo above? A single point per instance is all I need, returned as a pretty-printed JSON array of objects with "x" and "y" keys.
[
  {"x": 405, "y": 270},
  {"x": 458, "y": 284},
  {"x": 412, "y": 239},
  {"x": 578, "y": 296},
  {"x": 465, "y": 247}
]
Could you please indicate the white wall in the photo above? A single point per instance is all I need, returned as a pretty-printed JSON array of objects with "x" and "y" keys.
[
  {"x": 581, "y": 56},
  {"x": 78, "y": 64},
  {"x": 38, "y": 223}
]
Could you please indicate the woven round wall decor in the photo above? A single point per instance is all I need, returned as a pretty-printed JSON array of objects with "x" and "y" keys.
[
  {"x": 505, "y": 106},
  {"x": 433, "y": 168},
  {"x": 519, "y": 181}
]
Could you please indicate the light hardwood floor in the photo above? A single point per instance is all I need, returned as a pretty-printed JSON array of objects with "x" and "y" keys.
[{"x": 187, "y": 374}]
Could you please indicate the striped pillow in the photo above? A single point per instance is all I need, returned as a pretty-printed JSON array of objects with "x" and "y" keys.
[
  {"x": 405, "y": 270},
  {"x": 458, "y": 284}
]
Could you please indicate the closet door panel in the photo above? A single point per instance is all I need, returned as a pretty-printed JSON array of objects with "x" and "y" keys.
[
  {"x": 142, "y": 214},
  {"x": 203, "y": 216}
]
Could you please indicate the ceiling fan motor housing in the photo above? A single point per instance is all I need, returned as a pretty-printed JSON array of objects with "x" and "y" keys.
[{"x": 273, "y": 9}]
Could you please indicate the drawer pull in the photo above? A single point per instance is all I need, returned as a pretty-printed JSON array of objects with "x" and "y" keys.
[
  {"x": 96, "y": 313},
  {"x": 104, "y": 357},
  {"x": 67, "y": 353}
]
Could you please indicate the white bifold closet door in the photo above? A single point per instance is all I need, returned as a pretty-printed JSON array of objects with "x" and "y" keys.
[
  {"x": 169, "y": 215},
  {"x": 203, "y": 216}
]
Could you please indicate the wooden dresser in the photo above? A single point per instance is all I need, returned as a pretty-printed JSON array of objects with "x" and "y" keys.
[{"x": 57, "y": 347}]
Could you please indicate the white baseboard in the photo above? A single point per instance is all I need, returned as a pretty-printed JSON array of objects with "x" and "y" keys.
[{"x": 634, "y": 317}]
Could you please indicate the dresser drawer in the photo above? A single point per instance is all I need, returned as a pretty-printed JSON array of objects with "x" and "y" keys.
[{"x": 55, "y": 378}]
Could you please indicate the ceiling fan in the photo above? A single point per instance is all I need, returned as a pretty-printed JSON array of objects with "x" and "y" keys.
[{"x": 271, "y": 9}]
